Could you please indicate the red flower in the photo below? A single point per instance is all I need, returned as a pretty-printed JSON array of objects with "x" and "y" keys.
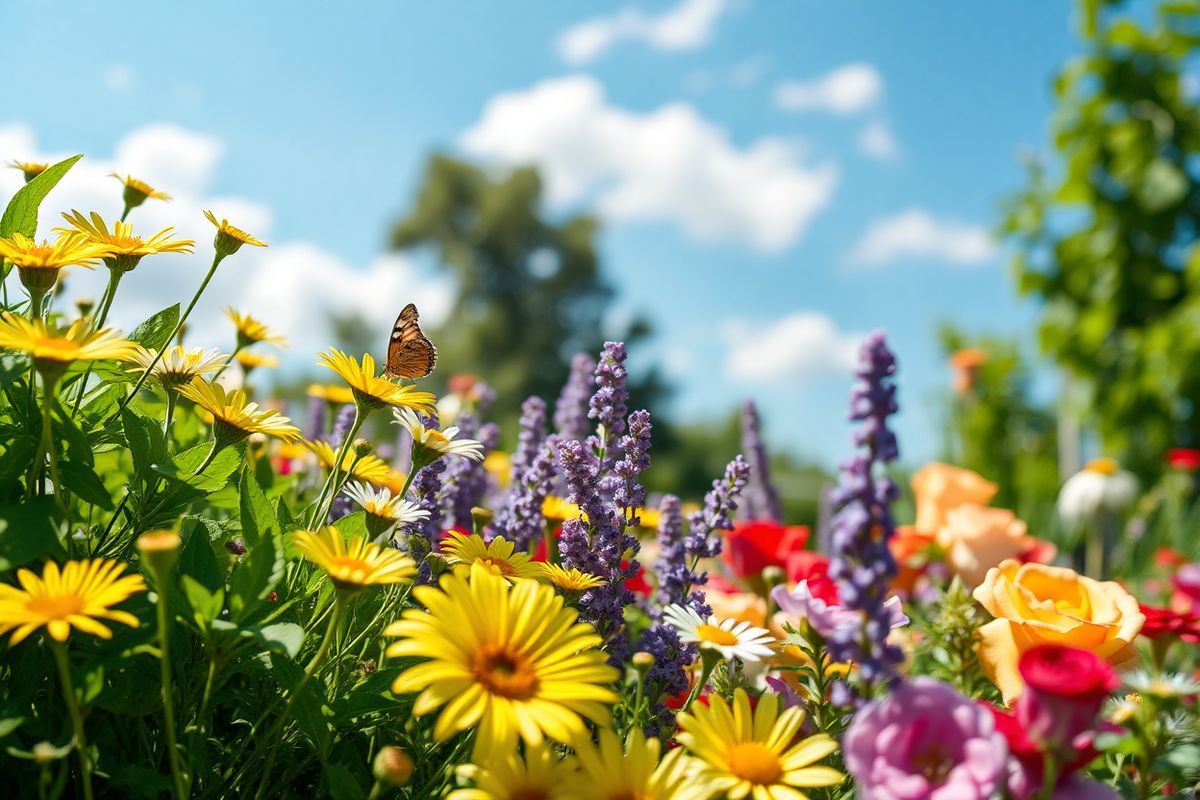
[
  {"x": 1040, "y": 551},
  {"x": 1184, "y": 458},
  {"x": 1169, "y": 557},
  {"x": 1030, "y": 764},
  {"x": 753, "y": 546},
  {"x": 539, "y": 553},
  {"x": 1064, "y": 689},
  {"x": 1186, "y": 581},
  {"x": 1162, "y": 622},
  {"x": 638, "y": 583},
  {"x": 805, "y": 565}
]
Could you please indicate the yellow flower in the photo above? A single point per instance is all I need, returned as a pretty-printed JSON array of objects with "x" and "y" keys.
[
  {"x": 371, "y": 390},
  {"x": 125, "y": 249},
  {"x": 498, "y": 556},
  {"x": 137, "y": 192},
  {"x": 569, "y": 580},
  {"x": 937, "y": 488},
  {"x": 337, "y": 395},
  {"x": 540, "y": 775},
  {"x": 53, "y": 350},
  {"x": 369, "y": 468},
  {"x": 79, "y": 595},
  {"x": 230, "y": 239},
  {"x": 430, "y": 444},
  {"x": 31, "y": 168},
  {"x": 506, "y": 659},
  {"x": 251, "y": 361},
  {"x": 648, "y": 518},
  {"x": 1035, "y": 604},
  {"x": 610, "y": 771},
  {"x": 180, "y": 364},
  {"x": 234, "y": 417},
  {"x": 251, "y": 331},
  {"x": 747, "y": 753},
  {"x": 556, "y": 508},
  {"x": 499, "y": 466},
  {"x": 39, "y": 264},
  {"x": 353, "y": 565}
]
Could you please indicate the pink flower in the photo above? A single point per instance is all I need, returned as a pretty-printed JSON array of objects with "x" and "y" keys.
[
  {"x": 817, "y": 605},
  {"x": 1064, "y": 689},
  {"x": 925, "y": 741}
]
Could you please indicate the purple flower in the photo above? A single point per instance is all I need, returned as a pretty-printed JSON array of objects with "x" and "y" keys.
[
  {"x": 520, "y": 519},
  {"x": 314, "y": 427},
  {"x": 341, "y": 425},
  {"x": 925, "y": 741},
  {"x": 421, "y": 537},
  {"x": 571, "y": 410},
  {"x": 529, "y": 439},
  {"x": 705, "y": 526},
  {"x": 671, "y": 566},
  {"x": 760, "y": 500},
  {"x": 828, "y": 619},
  {"x": 465, "y": 480},
  {"x": 607, "y": 405}
]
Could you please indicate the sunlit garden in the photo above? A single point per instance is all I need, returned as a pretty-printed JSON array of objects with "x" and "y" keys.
[{"x": 479, "y": 551}]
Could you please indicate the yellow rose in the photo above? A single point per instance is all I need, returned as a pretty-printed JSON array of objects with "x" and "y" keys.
[
  {"x": 977, "y": 538},
  {"x": 938, "y": 488},
  {"x": 1036, "y": 604}
]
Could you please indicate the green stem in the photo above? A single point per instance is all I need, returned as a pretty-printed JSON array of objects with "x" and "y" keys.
[
  {"x": 167, "y": 693},
  {"x": 169, "y": 416},
  {"x": 708, "y": 662},
  {"x": 334, "y": 472},
  {"x": 68, "y": 693}
]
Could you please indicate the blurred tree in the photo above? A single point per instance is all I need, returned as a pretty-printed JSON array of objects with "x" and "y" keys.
[{"x": 1107, "y": 240}]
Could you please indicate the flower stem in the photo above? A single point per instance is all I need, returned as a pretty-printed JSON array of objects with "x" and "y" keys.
[
  {"x": 168, "y": 701},
  {"x": 708, "y": 662},
  {"x": 68, "y": 693},
  {"x": 335, "y": 471}
]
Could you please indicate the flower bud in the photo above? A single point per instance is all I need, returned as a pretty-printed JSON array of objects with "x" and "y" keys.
[
  {"x": 1064, "y": 689},
  {"x": 160, "y": 550},
  {"x": 392, "y": 766},
  {"x": 362, "y": 447}
]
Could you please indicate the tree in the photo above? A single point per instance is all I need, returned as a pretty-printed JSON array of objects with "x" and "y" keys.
[{"x": 1106, "y": 240}]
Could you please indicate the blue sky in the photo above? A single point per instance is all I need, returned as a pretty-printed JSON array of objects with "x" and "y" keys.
[{"x": 742, "y": 153}]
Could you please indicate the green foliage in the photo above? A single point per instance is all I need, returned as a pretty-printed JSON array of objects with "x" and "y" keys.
[{"x": 21, "y": 214}]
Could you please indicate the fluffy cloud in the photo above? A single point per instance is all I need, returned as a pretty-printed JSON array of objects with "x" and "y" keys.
[
  {"x": 877, "y": 141},
  {"x": 801, "y": 345},
  {"x": 292, "y": 286},
  {"x": 686, "y": 26},
  {"x": 670, "y": 164},
  {"x": 846, "y": 90},
  {"x": 917, "y": 234}
]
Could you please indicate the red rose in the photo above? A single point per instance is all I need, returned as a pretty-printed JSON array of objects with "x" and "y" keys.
[
  {"x": 753, "y": 546},
  {"x": 1027, "y": 777},
  {"x": 1064, "y": 689},
  {"x": 805, "y": 565},
  {"x": 1161, "y": 622},
  {"x": 1184, "y": 458}
]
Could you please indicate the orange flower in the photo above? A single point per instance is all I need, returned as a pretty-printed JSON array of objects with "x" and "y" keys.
[
  {"x": 977, "y": 538},
  {"x": 966, "y": 364},
  {"x": 941, "y": 487}
]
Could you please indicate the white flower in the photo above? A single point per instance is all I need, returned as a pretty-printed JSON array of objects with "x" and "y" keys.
[
  {"x": 1101, "y": 484},
  {"x": 730, "y": 638},
  {"x": 380, "y": 503},
  {"x": 430, "y": 444},
  {"x": 179, "y": 364},
  {"x": 1165, "y": 685}
]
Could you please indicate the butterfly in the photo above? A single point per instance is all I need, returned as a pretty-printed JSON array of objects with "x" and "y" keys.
[{"x": 410, "y": 353}]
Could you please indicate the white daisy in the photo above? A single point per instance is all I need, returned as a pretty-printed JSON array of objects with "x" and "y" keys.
[
  {"x": 180, "y": 364},
  {"x": 1101, "y": 484},
  {"x": 731, "y": 638},
  {"x": 1165, "y": 685},
  {"x": 382, "y": 504},
  {"x": 430, "y": 444}
]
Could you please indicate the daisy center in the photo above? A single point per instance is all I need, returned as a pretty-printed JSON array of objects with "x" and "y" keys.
[
  {"x": 53, "y": 348},
  {"x": 529, "y": 793},
  {"x": 348, "y": 569},
  {"x": 498, "y": 566},
  {"x": 715, "y": 635},
  {"x": 754, "y": 763},
  {"x": 505, "y": 672},
  {"x": 55, "y": 606}
]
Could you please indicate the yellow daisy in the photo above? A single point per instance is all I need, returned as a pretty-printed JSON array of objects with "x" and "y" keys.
[
  {"x": 78, "y": 595},
  {"x": 509, "y": 660},
  {"x": 39, "y": 264},
  {"x": 569, "y": 580},
  {"x": 250, "y": 361},
  {"x": 353, "y": 565},
  {"x": 540, "y": 775},
  {"x": 369, "y": 468},
  {"x": 499, "y": 466},
  {"x": 612, "y": 771},
  {"x": 180, "y": 364},
  {"x": 137, "y": 192},
  {"x": 31, "y": 168},
  {"x": 744, "y": 752},
  {"x": 234, "y": 417},
  {"x": 251, "y": 331},
  {"x": 125, "y": 249},
  {"x": 560, "y": 509},
  {"x": 499, "y": 556},
  {"x": 337, "y": 395},
  {"x": 230, "y": 239},
  {"x": 371, "y": 390},
  {"x": 53, "y": 350}
]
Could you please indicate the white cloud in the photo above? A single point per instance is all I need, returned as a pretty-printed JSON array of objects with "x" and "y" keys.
[
  {"x": 670, "y": 164},
  {"x": 801, "y": 345},
  {"x": 118, "y": 78},
  {"x": 749, "y": 72},
  {"x": 877, "y": 141},
  {"x": 846, "y": 90},
  {"x": 292, "y": 285},
  {"x": 686, "y": 26},
  {"x": 917, "y": 234}
]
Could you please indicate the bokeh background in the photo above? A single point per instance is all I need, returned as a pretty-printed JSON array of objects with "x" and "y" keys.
[{"x": 739, "y": 188}]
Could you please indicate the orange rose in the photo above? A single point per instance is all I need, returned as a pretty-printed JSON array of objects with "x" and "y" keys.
[
  {"x": 1034, "y": 604},
  {"x": 976, "y": 538},
  {"x": 941, "y": 487}
]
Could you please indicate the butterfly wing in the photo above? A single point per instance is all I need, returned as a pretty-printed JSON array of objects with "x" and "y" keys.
[{"x": 410, "y": 353}]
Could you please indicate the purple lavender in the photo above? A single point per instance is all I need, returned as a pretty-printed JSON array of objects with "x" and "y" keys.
[
  {"x": 421, "y": 537},
  {"x": 315, "y": 418},
  {"x": 668, "y": 677},
  {"x": 671, "y": 566},
  {"x": 465, "y": 481},
  {"x": 530, "y": 437},
  {"x": 520, "y": 519},
  {"x": 705, "y": 526},
  {"x": 622, "y": 484},
  {"x": 760, "y": 500},
  {"x": 861, "y": 562},
  {"x": 608, "y": 404},
  {"x": 341, "y": 426},
  {"x": 571, "y": 410}
]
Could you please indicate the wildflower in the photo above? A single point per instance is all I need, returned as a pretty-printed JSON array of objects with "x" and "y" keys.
[
  {"x": 179, "y": 364},
  {"x": 746, "y": 752},
  {"x": 386, "y": 508},
  {"x": 569, "y": 580},
  {"x": 730, "y": 638},
  {"x": 976, "y": 538},
  {"x": 137, "y": 192},
  {"x": 251, "y": 331},
  {"x": 79, "y": 595},
  {"x": 498, "y": 556},
  {"x": 559, "y": 509},
  {"x": 761, "y": 500},
  {"x": 250, "y": 361},
  {"x": 353, "y": 565},
  {"x": 332, "y": 394},
  {"x": 612, "y": 770},
  {"x": 754, "y": 545},
  {"x": 39, "y": 264},
  {"x": 530, "y": 435},
  {"x": 507, "y": 659},
  {"x": 1165, "y": 685},
  {"x": 571, "y": 410},
  {"x": 539, "y": 775},
  {"x": 1100, "y": 486},
  {"x": 816, "y": 601},
  {"x": 939, "y": 488},
  {"x": 706, "y": 524},
  {"x": 160, "y": 550},
  {"x": 31, "y": 169},
  {"x": 466, "y": 482},
  {"x": 1185, "y": 459},
  {"x": 234, "y": 417},
  {"x": 392, "y": 766},
  {"x": 430, "y": 444},
  {"x": 951, "y": 746},
  {"x": 53, "y": 350},
  {"x": 125, "y": 249},
  {"x": 529, "y": 503},
  {"x": 369, "y": 468},
  {"x": 1167, "y": 623},
  {"x": 1064, "y": 690},
  {"x": 230, "y": 239},
  {"x": 607, "y": 405},
  {"x": 372, "y": 391}
]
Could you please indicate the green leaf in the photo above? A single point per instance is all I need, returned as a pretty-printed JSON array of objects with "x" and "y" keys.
[
  {"x": 14, "y": 462},
  {"x": 282, "y": 637},
  {"x": 27, "y": 532},
  {"x": 215, "y": 475},
  {"x": 255, "y": 577},
  {"x": 206, "y": 605},
  {"x": 310, "y": 711},
  {"x": 85, "y": 483},
  {"x": 352, "y": 524},
  {"x": 21, "y": 216},
  {"x": 145, "y": 443},
  {"x": 258, "y": 517},
  {"x": 156, "y": 331}
]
